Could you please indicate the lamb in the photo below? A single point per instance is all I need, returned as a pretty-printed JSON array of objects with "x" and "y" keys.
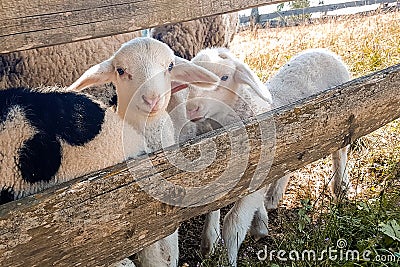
[
  {"x": 323, "y": 69},
  {"x": 186, "y": 39},
  {"x": 241, "y": 94},
  {"x": 49, "y": 137},
  {"x": 143, "y": 71},
  {"x": 227, "y": 105}
]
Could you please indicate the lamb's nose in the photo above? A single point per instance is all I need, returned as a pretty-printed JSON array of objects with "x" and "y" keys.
[
  {"x": 151, "y": 101},
  {"x": 192, "y": 111}
]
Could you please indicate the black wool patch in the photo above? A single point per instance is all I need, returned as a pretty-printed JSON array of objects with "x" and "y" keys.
[
  {"x": 6, "y": 195},
  {"x": 113, "y": 101},
  {"x": 33, "y": 165},
  {"x": 56, "y": 116}
]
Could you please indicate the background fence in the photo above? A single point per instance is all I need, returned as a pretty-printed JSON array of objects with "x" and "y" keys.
[{"x": 269, "y": 19}]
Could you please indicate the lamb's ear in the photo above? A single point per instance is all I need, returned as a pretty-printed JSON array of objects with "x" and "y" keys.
[
  {"x": 186, "y": 72},
  {"x": 98, "y": 74},
  {"x": 245, "y": 75}
]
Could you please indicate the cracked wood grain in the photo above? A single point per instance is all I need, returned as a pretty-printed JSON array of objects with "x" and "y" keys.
[{"x": 38, "y": 23}]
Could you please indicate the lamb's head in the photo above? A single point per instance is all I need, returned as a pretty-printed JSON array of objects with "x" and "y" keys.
[
  {"x": 233, "y": 74},
  {"x": 143, "y": 71}
]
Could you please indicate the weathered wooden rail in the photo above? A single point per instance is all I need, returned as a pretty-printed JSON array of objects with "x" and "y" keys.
[
  {"x": 106, "y": 216},
  {"x": 38, "y": 23},
  {"x": 314, "y": 9},
  {"x": 103, "y": 217}
]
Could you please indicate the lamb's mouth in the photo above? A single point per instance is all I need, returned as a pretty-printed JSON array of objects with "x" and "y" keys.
[
  {"x": 150, "y": 113},
  {"x": 197, "y": 119},
  {"x": 153, "y": 113}
]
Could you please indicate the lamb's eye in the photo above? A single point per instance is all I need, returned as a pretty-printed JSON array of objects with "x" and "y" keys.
[
  {"x": 224, "y": 78},
  {"x": 171, "y": 65},
  {"x": 120, "y": 71}
]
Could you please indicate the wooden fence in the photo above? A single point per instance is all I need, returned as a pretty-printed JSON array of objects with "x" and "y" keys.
[
  {"x": 314, "y": 9},
  {"x": 106, "y": 216}
]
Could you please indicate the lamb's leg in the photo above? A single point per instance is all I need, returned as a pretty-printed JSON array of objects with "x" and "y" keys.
[
  {"x": 259, "y": 225},
  {"x": 150, "y": 256},
  {"x": 238, "y": 221},
  {"x": 163, "y": 253},
  {"x": 211, "y": 233},
  {"x": 340, "y": 181},
  {"x": 171, "y": 249},
  {"x": 275, "y": 192}
]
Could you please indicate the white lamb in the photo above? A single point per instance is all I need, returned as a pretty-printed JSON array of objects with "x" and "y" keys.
[
  {"x": 230, "y": 102},
  {"x": 308, "y": 73},
  {"x": 143, "y": 71},
  {"x": 186, "y": 39},
  {"x": 241, "y": 95}
]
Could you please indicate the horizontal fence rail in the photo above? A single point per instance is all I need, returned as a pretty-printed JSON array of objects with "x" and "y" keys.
[
  {"x": 38, "y": 23},
  {"x": 103, "y": 217},
  {"x": 314, "y": 9}
]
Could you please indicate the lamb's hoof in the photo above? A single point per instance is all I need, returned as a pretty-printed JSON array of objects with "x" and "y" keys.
[
  {"x": 257, "y": 234},
  {"x": 271, "y": 205},
  {"x": 205, "y": 250},
  {"x": 259, "y": 226},
  {"x": 259, "y": 230}
]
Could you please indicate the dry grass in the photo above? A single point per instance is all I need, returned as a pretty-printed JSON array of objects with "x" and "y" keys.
[{"x": 366, "y": 44}]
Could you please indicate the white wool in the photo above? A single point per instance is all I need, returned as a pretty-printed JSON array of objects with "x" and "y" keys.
[
  {"x": 123, "y": 263},
  {"x": 116, "y": 142},
  {"x": 143, "y": 70},
  {"x": 13, "y": 132},
  {"x": 240, "y": 100},
  {"x": 307, "y": 73}
]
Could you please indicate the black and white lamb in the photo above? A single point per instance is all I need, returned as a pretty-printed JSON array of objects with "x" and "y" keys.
[{"x": 48, "y": 137}]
